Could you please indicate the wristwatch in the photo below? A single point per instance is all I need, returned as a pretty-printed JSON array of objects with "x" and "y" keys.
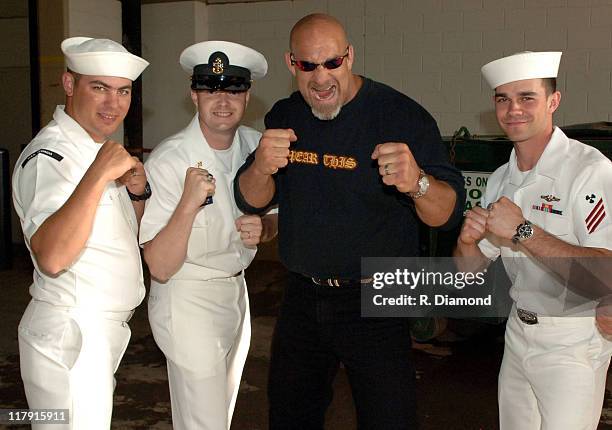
[
  {"x": 137, "y": 198},
  {"x": 523, "y": 231},
  {"x": 423, "y": 184}
]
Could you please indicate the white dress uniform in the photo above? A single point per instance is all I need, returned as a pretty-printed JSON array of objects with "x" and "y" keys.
[
  {"x": 553, "y": 373},
  {"x": 74, "y": 331},
  {"x": 200, "y": 318}
]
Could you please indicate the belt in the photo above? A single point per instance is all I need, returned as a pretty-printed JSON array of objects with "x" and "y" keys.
[
  {"x": 527, "y": 317},
  {"x": 337, "y": 282},
  {"x": 235, "y": 275},
  {"x": 122, "y": 316}
]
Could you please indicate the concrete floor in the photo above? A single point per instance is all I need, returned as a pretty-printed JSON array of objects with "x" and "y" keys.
[{"x": 457, "y": 381}]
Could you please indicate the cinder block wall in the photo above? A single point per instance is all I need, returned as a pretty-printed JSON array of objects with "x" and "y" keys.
[
  {"x": 94, "y": 18},
  {"x": 432, "y": 50},
  {"x": 167, "y": 29}
]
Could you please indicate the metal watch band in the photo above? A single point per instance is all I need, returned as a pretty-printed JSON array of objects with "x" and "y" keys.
[
  {"x": 523, "y": 231},
  {"x": 423, "y": 184}
]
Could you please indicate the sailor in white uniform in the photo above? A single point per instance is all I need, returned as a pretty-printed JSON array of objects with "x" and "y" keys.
[
  {"x": 196, "y": 241},
  {"x": 547, "y": 213},
  {"x": 71, "y": 189}
]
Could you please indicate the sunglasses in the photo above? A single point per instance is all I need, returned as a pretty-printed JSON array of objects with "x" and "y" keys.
[{"x": 307, "y": 66}]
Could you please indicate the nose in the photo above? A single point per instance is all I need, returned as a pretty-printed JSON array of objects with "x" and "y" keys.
[
  {"x": 514, "y": 107},
  {"x": 320, "y": 74},
  {"x": 112, "y": 99},
  {"x": 222, "y": 97}
]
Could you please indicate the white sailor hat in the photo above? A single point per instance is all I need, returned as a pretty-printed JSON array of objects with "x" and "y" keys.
[
  {"x": 220, "y": 65},
  {"x": 101, "y": 57},
  {"x": 523, "y": 65}
]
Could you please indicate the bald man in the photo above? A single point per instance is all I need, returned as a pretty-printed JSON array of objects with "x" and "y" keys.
[{"x": 353, "y": 165}]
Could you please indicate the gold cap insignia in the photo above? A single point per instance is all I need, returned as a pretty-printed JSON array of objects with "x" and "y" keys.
[{"x": 217, "y": 67}]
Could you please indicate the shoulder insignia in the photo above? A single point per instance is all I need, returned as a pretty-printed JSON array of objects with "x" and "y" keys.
[
  {"x": 596, "y": 216},
  {"x": 46, "y": 152}
]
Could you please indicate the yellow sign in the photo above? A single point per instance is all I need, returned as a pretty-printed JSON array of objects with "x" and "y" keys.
[{"x": 475, "y": 185}]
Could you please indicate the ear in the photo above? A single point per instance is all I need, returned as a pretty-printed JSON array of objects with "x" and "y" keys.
[
  {"x": 290, "y": 66},
  {"x": 248, "y": 97},
  {"x": 351, "y": 57},
  {"x": 194, "y": 98},
  {"x": 68, "y": 82},
  {"x": 553, "y": 101}
]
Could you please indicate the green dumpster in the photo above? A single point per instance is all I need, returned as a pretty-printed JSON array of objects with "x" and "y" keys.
[{"x": 477, "y": 157}]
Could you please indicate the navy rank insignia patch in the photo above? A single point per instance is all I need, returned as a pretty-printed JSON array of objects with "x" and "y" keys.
[
  {"x": 46, "y": 152},
  {"x": 591, "y": 198},
  {"x": 596, "y": 216}
]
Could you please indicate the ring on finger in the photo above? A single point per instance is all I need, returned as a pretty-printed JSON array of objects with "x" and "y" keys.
[
  {"x": 386, "y": 169},
  {"x": 490, "y": 206}
]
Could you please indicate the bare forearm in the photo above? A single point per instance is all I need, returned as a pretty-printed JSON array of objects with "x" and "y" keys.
[
  {"x": 469, "y": 258},
  {"x": 166, "y": 253},
  {"x": 270, "y": 227},
  {"x": 256, "y": 188},
  {"x": 436, "y": 207},
  {"x": 544, "y": 245},
  {"x": 585, "y": 270},
  {"x": 61, "y": 238}
]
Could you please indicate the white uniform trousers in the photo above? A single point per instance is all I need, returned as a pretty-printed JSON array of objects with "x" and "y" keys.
[
  {"x": 553, "y": 374},
  {"x": 204, "y": 330},
  {"x": 68, "y": 358}
]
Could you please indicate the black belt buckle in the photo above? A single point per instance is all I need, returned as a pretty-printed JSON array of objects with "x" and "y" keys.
[
  {"x": 337, "y": 282},
  {"x": 529, "y": 318},
  {"x": 329, "y": 282}
]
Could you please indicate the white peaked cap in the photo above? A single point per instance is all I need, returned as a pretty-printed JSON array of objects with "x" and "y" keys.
[
  {"x": 520, "y": 66},
  {"x": 101, "y": 57},
  {"x": 238, "y": 55}
]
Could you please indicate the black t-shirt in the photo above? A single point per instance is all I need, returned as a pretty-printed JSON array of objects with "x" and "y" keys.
[{"x": 333, "y": 206}]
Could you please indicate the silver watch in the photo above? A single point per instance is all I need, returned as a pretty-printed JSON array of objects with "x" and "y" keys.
[
  {"x": 423, "y": 184},
  {"x": 523, "y": 231}
]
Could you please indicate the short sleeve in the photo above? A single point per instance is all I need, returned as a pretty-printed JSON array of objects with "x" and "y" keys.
[
  {"x": 166, "y": 191},
  {"x": 591, "y": 206},
  {"x": 42, "y": 185},
  {"x": 239, "y": 198},
  {"x": 434, "y": 160}
]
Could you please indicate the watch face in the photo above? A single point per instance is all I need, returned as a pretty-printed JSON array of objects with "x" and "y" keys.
[
  {"x": 524, "y": 231},
  {"x": 423, "y": 184}
]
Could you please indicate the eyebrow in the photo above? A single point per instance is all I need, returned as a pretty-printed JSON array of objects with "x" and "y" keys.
[
  {"x": 105, "y": 85},
  {"x": 522, "y": 93}
]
